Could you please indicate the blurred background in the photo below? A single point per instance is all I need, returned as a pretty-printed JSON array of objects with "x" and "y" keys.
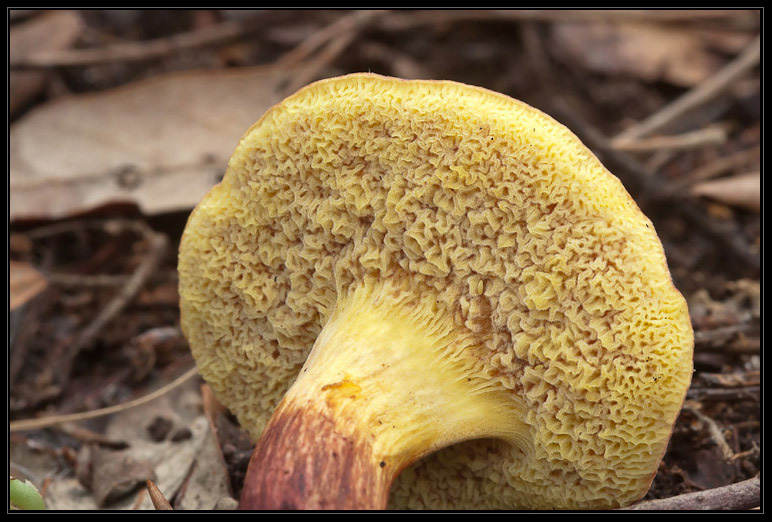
[{"x": 120, "y": 120}]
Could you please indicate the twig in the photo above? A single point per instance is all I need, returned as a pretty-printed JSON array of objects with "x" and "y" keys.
[
  {"x": 649, "y": 184},
  {"x": 141, "y": 494},
  {"x": 332, "y": 39},
  {"x": 745, "y": 344},
  {"x": 715, "y": 432},
  {"x": 87, "y": 280},
  {"x": 331, "y": 51},
  {"x": 741, "y": 190},
  {"x": 158, "y": 498},
  {"x": 725, "y": 164},
  {"x": 92, "y": 437},
  {"x": 713, "y": 135},
  {"x": 724, "y": 394},
  {"x": 698, "y": 96},
  {"x": 721, "y": 333},
  {"x": 754, "y": 451},
  {"x": 24, "y": 325},
  {"x": 741, "y": 345},
  {"x": 742, "y": 495},
  {"x": 398, "y": 21},
  {"x": 64, "y": 227},
  {"x": 714, "y": 169},
  {"x": 54, "y": 420},
  {"x": 145, "y": 50},
  {"x": 635, "y": 174},
  {"x": 345, "y": 24},
  {"x": 158, "y": 243},
  {"x": 752, "y": 424},
  {"x": 732, "y": 380}
]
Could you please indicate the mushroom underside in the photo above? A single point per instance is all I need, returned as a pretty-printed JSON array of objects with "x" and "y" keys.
[{"x": 495, "y": 225}]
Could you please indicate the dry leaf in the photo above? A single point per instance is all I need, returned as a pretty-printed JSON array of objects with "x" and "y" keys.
[
  {"x": 116, "y": 474},
  {"x": 208, "y": 481},
  {"x": 24, "y": 283},
  {"x": 172, "y": 459},
  {"x": 160, "y": 143},
  {"x": 743, "y": 190},
  {"x": 648, "y": 51},
  {"x": 52, "y": 31}
]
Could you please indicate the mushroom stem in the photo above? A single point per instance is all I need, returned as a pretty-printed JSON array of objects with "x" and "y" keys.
[
  {"x": 304, "y": 460},
  {"x": 389, "y": 380}
]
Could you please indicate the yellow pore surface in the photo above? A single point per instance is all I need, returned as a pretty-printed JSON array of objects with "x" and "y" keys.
[{"x": 498, "y": 214}]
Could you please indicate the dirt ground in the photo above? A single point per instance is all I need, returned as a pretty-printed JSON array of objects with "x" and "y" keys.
[{"x": 670, "y": 101}]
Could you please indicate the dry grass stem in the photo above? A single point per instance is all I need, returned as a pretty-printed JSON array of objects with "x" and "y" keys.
[{"x": 54, "y": 420}]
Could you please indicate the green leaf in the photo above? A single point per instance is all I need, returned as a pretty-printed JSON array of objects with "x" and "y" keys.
[{"x": 24, "y": 495}]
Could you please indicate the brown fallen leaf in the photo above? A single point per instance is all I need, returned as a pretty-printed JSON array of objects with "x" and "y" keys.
[
  {"x": 172, "y": 460},
  {"x": 116, "y": 474},
  {"x": 50, "y": 31},
  {"x": 208, "y": 479},
  {"x": 161, "y": 143},
  {"x": 647, "y": 51},
  {"x": 743, "y": 190},
  {"x": 24, "y": 283}
]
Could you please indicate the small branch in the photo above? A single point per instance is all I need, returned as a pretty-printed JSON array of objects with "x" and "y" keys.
[
  {"x": 742, "y": 495},
  {"x": 134, "y": 283},
  {"x": 715, "y": 168},
  {"x": 755, "y": 451},
  {"x": 741, "y": 345},
  {"x": 64, "y": 227},
  {"x": 649, "y": 184},
  {"x": 87, "y": 280},
  {"x": 713, "y": 135},
  {"x": 158, "y": 498},
  {"x": 317, "y": 40},
  {"x": 332, "y": 40},
  {"x": 721, "y": 333},
  {"x": 91, "y": 437},
  {"x": 135, "y": 51},
  {"x": 732, "y": 380},
  {"x": 698, "y": 96},
  {"x": 749, "y": 424},
  {"x": 403, "y": 21},
  {"x": 715, "y": 432},
  {"x": 724, "y": 394}
]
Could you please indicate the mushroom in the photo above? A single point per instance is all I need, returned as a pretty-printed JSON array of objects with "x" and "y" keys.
[{"x": 423, "y": 294}]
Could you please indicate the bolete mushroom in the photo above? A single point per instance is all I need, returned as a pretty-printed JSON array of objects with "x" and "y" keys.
[{"x": 436, "y": 278}]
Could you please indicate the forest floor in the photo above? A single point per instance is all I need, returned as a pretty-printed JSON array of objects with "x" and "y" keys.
[{"x": 670, "y": 101}]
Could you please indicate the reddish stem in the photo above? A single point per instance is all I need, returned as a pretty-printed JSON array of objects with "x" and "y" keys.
[{"x": 304, "y": 460}]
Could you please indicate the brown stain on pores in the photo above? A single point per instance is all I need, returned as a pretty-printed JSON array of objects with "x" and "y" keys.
[{"x": 306, "y": 460}]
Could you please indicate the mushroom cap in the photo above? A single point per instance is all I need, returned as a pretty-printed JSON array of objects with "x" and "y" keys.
[{"x": 499, "y": 212}]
